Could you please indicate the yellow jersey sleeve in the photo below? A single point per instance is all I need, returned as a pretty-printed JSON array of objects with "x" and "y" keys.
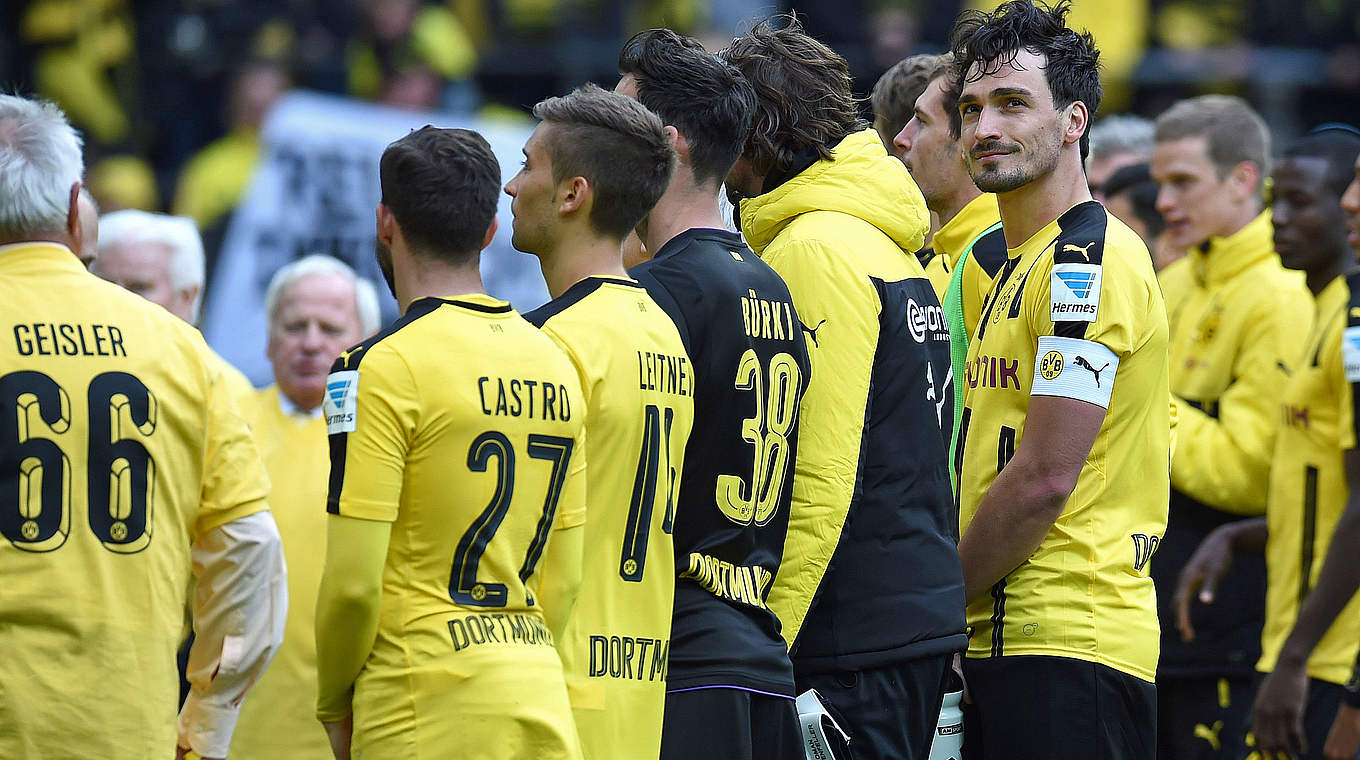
[
  {"x": 235, "y": 483},
  {"x": 371, "y": 416}
]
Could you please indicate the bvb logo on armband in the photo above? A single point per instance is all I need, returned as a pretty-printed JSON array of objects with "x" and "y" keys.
[{"x": 1051, "y": 365}]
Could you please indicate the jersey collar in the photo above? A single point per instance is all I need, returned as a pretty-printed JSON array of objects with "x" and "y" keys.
[
  {"x": 974, "y": 218},
  {"x": 1222, "y": 258},
  {"x": 39, "y": 251}
]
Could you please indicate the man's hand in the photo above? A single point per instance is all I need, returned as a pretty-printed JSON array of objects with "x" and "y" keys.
[
  {"x": 1277, "y": 717},
  {"x": 339, "y": 733},
  {"x": 1201, "y": 575},
  {"x": 1343, "y": 741}
]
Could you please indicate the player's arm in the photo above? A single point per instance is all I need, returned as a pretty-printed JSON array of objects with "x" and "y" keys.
[
  {"x": 841, "y": 306},
  {"x": 241, "y": 598},
  {"x": 347, "y": 608},
  {"x": 370, "y": 429},
  {"x": 1278, "y": 716},
  {"x": 1224, "y": 461},
  {"x": 1211, "y": 561},
  {"x": 561, "y": 570},
  {"x": 1024, "y": 502}
]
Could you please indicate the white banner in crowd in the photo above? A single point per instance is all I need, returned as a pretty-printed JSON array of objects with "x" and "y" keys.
[{"x": 314, "y": 191}]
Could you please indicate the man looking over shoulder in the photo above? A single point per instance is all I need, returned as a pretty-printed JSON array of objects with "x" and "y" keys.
[
  {"x": 1065, "y": 434},
  {"x": 730, "y": 690}
]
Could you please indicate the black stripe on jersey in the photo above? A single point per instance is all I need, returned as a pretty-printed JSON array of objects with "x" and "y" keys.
[
  {"x": 1353, "y": 320},
  {"x": 989, "y": 251},
  {"x": 998, "y": 285},
  {"x": 1310, "y": 488},
  {"x": 998, "y": 617},
  {"x": 1081, "y": 240},
  {"x": 339, "y": 442},
  {"x": 540, "y": 316},
  {"x": 1018, "y": 299}
]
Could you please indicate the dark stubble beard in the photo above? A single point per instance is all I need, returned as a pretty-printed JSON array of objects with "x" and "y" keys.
[
  {"x": 1015, "y": 177},
  {"x": 384, "y": 256}
]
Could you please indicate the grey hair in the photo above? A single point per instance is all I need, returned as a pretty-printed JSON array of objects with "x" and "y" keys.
[
  {"x": 178, "y": 233},
  {"x": 1122, "y": 134},
  {"x": 365, "y": 295},
  {"x": 40, "y": 160}
]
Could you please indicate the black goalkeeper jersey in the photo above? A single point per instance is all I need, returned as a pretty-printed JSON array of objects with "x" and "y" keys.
[{"x": 750, "y": 360}]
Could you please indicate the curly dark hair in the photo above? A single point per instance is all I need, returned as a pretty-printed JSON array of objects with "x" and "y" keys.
[
  {"x": 982, "y": 43},
  {"x": 619, "y": 146},
  {"x": 804, "y": 100},
  {"x": 705, "y": 98},
  {"x": 442, "y": 186}
]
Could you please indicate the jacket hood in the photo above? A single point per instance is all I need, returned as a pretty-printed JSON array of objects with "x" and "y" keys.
[{"x": 860, "y": 179}]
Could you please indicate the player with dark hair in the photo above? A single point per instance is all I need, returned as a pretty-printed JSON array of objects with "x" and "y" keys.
[
  {"x": 1131, "y": 195},
  {"x": 593, "y": 168},
  {"x": 455, "y": 434},
  {"x": 1311, "y": 657},
  {"x": 869, "y": 590},
  {"x": 730, "y": 690},
  {"x": 1065, "y": 436},
  {"x": 1236, "y": 317}
]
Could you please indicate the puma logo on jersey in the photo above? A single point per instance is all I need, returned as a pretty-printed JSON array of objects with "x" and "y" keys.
[
  {"x": 347, "y": 353},
  {"x": 1079, "y": 249},
  {"x": 1081, "y": 362},
  {"x": 812, "y": 331}
]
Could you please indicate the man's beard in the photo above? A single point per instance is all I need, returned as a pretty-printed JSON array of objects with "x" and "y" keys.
[
  {"x": 1014, "y": 177},
  {"x": 384, "y": 256}
]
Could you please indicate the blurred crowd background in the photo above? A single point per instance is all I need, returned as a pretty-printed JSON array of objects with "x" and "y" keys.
[{"x": 171, "y": 94}]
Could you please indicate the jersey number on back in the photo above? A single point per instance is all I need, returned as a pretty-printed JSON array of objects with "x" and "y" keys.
[
  {"x": 769, "y": 432},
  {"x": 464, "y": 588},
  {"x": 35, "y": 509}
]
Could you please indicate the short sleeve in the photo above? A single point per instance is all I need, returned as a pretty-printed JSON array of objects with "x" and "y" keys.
[
  {"x": 235, "y": 483},
  {"x": 371, "y": 415}
]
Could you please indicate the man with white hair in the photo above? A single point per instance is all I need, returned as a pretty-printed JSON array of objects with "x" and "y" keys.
[
  {"x": 124, "y": 469},
  {"x": 160, "y": 258},
  {"x": 317, "y": 306},
  {"x": 1116, "y": 141}
]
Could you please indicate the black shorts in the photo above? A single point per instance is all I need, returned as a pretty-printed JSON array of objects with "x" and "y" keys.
[
  {"x": 721, "y": 722},
  {"x": 1203, "y": 717},
  {"x": 890, "y": 712},
  {"x": 1029, "y": 707}
]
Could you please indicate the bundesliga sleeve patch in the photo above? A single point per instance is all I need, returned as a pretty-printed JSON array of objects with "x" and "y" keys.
[
  {"x": 1350, "y": 353},
  {"x": 341, "y": 401},
  {"x": 1078, "y": 369},
  {"x": 1075, "y": 292}
]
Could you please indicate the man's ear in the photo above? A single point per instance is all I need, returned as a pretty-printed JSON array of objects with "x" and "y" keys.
[
  {"x": 576, "y": 194},
  {"x": 491, "y": 232},
  {"x": 1244, "y": 180},
  {"x": 387, "y": 224},
  {"x": 679, "y": 143},
  {"x": 1078, "y": 117},
  {"x": 73, "y": 230}
]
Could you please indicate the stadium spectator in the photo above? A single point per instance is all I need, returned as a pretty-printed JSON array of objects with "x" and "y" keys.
[
  {"x": 970, "y": 247},
  {"x": 214, "y": 180},
  {"x": 1116, "y": 142},
  {"x": 317, "y": 307},
  {"x": 1297, "y": 702},
  {"x": 1131, "y": 195},
  {"x": 595, "y": 165},
  {"x": 1066, "y": 428},
  {"x": 407, "y": 51},
  {"x": 410, "y": 423},
  {"x": 869, "y": 590},
  {"x": 729, "y": 683},
  {"x": 160, "y": 258},
  {"x": 148, "y": 479},
  {"x": 1236, "y": 319}
]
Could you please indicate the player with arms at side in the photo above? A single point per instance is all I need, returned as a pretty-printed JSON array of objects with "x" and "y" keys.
[
  {"x": 1065, "y": 437},
  {"x": 593, "y": 167},
  {"x": 730, "y": 687},
  {"x": 125, "y": 468},
  {"x": 1296, "y": 703},
  {"x": 869, "y": 589},
  {"x": 457, "y": 492}
]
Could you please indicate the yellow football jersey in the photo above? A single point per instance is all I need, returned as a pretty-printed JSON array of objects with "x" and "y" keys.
[
  {"x": 639, "y": 391},
  {"x": 462, "y": 426},
  {"x": 1308, "y": 489},
  {"x": 278, "y": 717},
  {"x": 1075, "y": 312},
  {"x": 119, "y": 445},
  {"x": 962, "y": 235}
]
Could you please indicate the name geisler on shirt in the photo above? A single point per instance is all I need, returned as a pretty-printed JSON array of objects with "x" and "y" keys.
[{"x": 63, "y": 339}]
